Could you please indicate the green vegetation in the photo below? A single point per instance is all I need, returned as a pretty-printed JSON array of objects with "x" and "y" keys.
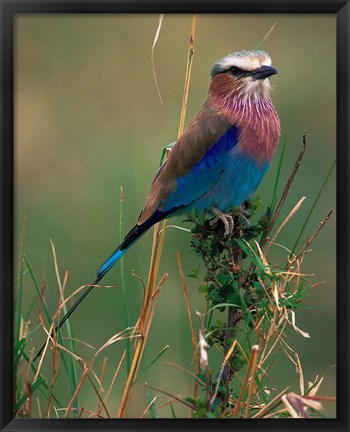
[{"x": 262, "y": 302}]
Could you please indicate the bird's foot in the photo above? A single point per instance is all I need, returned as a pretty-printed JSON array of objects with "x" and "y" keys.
[{"x": 225, "y": 218}]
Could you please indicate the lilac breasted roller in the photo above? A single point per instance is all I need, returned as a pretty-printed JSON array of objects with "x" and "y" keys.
[{"x": 220, "y": 159}]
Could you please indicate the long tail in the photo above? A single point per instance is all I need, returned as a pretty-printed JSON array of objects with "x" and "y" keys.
[
  {"x": 134, "y": 235},
  {"x": 131, "y": 238}
]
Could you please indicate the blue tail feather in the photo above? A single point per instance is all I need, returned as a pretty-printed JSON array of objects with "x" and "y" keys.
[
  {"x": 108, "y": 264},
  {"x": 135, "y": 234}
]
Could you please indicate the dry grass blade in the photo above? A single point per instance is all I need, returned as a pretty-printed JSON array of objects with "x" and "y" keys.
[
  {"x": 203, "y": 359},
  {"x": 254, "y": 362},
  {"x": 188, "y": 75},
  {"x": 81, "y": 412},
  {"x": 114, "y": 377},
  {"x": 156, "y": 37},
  {"x": 41, "y": 319},
  {"x": 141, "y": 342},
  {"x": 155, "y": 296},
  {"x": 171, "y": 396},
  {"x": 301, "y": 375},
  {"x": 227, "y": 356},
  {"x": 161, "y": 406},
  {"x": 39, "y": 407},
  {"x": 30, "y": 397},
  {"x": 321, "y": 398},
  {"x": 285, "y": 192},
  {"x": 83, "y": 343},
  {"x": 104, "y": 366},
  {"x": 149, "y": 406},
  {"x": 50, "y": 333},
  {"x": 271, "y": 405},
  {"x": 115, "y": 338},
  {"x": 193, "y": 333},
  {"x": 74, "y": 293},
  {"x": 312, "y": 238},
  {"x": 141, "y": 324},
  {"x": 297, "y": 405},
  {"x": 100, "y": 400},
  {"x": 286, "y": 220},
  {"x": 132, "y": 373},
  {"x": 55, "y": 364},
  {"x": 264, "y": 358},
  {"x": 199, "y": 381}
]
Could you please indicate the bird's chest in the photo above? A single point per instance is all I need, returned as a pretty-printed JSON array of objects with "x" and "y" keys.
[
  {"x": 258, "y": 141},
  {"x": 258, "y": 124},
  {"x": 240, "y": 179}
]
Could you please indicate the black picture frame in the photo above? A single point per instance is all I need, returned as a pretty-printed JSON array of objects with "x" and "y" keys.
[{"x": 8, "y": 10}]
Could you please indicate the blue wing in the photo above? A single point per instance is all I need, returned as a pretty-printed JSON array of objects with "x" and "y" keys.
[{"x": 204, "y": 174}]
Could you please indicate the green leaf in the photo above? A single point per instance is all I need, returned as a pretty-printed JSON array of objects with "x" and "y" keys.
[
  {"x": 18, "y": 352},
  {"x": 169, "y": 146},
  {"x": 195, "y": 273},
  {"x": 224, "y": 278},
  {"x": 24, "y": 397},
  {"x": 152, "y": 408},
  {"x": 173, "y": 414},
  {"x": 248, "y": 250},
  {"x": 152, "y": 362},
  {"x": 45, "y": 385},
  {"x": 234, "y": 299},
  {"x": 203, "y": 288}
]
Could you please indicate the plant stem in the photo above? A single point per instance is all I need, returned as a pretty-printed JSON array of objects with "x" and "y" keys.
[
  {"x": 231, "y": 319},
  {"x": 146, "y": 316}
]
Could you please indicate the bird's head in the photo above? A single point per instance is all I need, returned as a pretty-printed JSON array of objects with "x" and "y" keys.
[{"x": 245, "y": 71}]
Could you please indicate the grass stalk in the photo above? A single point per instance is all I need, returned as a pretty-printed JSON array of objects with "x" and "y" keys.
[
  {"x": 157, "y": 248},
  {"x": 266, "y": 36},
  {"x": 72, "y": 370},
  {"x": 285, "y": 192},
  {"x": 19, "y": 297},
  {"x": 312, "y": 208},
  {"x": 254, "y": 362},
  {"x": 278, "y": 175},
  {"x": 250, "y": 367},
  {"x": 271, "y": 405},
  {"x": 125, "y": 307},
  {"x": 193, "y": 333}
]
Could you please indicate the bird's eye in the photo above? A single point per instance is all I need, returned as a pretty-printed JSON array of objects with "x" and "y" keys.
[{"x": 235, "y": 70}]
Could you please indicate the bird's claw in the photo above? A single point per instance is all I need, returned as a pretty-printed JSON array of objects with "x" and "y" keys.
[{"x": 227, "y": 220}]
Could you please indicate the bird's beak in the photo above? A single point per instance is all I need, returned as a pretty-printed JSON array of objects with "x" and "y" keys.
[{"x": 263, "y": 72}]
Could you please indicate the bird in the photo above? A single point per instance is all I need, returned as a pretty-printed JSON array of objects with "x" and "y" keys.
[{"x": 220, "y": 159}]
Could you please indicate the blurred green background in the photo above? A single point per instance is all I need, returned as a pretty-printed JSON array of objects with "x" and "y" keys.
[{"x": 88, "y": 120}]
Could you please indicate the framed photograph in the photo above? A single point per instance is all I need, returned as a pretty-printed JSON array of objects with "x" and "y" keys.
[{"x": 174, "y": 215}]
